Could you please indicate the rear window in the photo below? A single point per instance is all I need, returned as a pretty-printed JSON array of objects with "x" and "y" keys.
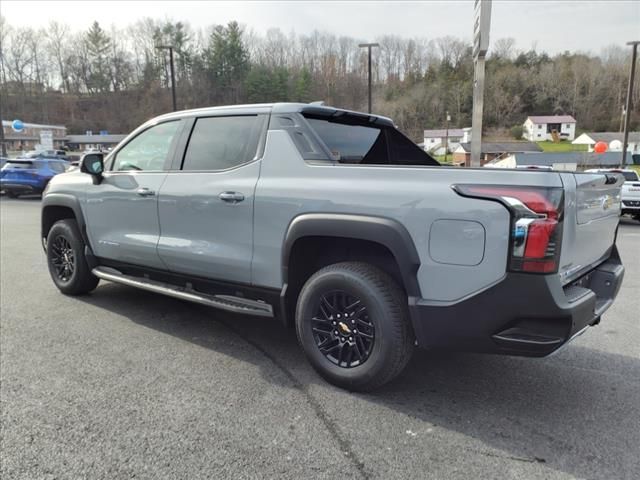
[
  {"x": 630, "y": 176},
  {"x": 346, "y": 142},
  {"x": 18, "y": 164},
  {"x": 368, "y": 144}
]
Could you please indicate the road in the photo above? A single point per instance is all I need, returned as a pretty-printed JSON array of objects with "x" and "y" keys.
[{"x": 123, "y": 383}]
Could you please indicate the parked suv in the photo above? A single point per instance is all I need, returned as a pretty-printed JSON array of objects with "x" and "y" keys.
[
  {"x": 335, "y": 222},
  {"x": 59, "y": 154},
  {"x": 28, "y": 176},
  {"x": 630, "y": 194}
]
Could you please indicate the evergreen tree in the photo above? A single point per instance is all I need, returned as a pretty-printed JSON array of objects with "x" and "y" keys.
[{"x": 98, "y": 45}]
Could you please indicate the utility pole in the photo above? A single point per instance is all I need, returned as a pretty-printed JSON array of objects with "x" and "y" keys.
[
  {"x": 3, "y": 146},
  {"x": 446, "y": 136},
  {"x": 368, "y": 47},
  {"x": 481, "y": 26},
  {"x": 632, "y": 74},
  {"x": 173, "y": 76}
]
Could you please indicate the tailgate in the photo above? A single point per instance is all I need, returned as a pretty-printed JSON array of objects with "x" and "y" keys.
[
  {"x": 592, "y": 212},
  {"x": 631, "y": 191}
]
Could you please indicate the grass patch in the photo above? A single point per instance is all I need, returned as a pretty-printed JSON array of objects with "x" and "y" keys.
[{"x": 561, "y": 147}]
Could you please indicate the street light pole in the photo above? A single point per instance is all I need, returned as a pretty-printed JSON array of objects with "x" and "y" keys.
[
  {"x": 3, "y": 146},
  {"x": 632, "y": 74},
  {"x": 369, "y": 46},
  {"x": 173, "y": 76}
]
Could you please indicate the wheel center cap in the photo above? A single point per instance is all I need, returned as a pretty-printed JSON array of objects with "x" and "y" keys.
[{"x": 344, "y": 328}]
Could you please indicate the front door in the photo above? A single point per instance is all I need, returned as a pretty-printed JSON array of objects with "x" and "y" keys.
[
  {"x": 206, "y": 207},
  {"x": 122, "y": 211}
]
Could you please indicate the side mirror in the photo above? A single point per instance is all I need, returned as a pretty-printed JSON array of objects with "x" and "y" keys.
[{"x": 93, "y": 164}]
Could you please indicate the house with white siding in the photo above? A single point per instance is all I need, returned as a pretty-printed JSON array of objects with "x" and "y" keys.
[
  {"x": 541, "y": 128},
  {"x": 436, "y": 140},
  {"x": 613, "y": 140}
]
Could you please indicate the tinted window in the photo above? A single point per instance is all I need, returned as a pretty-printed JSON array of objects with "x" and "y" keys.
[
  {"x": 348, "y": 143},
  {"x": 369, "y": 144},
  {"x": 18, "y": 164},
  {"x": 149, "y": 150},
  {"x": 218, "y": 143},
  {"x": 630, "y": 176}
]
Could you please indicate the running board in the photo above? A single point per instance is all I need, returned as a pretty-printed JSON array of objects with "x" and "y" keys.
[{"x": 223, "y": 302}]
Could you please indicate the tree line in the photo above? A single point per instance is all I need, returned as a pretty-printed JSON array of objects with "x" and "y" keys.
[{"x": 115, "y": 78}]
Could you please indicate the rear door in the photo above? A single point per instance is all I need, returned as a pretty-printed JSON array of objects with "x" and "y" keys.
[
  {"x": 592, "y": 204},
  {"x": 122, "y": 211},
  {"x": 206, "y": 204}
]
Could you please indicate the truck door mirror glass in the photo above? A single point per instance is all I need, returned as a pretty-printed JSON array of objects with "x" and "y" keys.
[{"x": 93, "y": 164}]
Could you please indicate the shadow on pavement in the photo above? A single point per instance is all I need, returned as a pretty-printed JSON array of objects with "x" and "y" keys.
[{"x": 575, "y": 411}]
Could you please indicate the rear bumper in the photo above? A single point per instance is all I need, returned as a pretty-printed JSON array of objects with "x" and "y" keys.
[
  {"x": 630, "y": 206},
  {"x": 524, "y": 314}
]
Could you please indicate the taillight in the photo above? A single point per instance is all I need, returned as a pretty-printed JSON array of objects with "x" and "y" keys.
[{"x": 536, "y": 223}]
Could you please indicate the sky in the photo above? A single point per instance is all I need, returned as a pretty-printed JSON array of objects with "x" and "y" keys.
[{"x": 552, "y": 26}]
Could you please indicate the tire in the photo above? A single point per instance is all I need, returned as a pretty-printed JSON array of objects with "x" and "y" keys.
[
  {"x": 66, "y": 247},
  {"x": 381, "y": 313}
]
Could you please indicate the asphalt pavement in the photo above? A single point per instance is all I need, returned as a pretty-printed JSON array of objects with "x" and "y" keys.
[{"x": 124, "y": 383}]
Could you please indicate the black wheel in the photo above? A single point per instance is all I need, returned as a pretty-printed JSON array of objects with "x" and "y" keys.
[
  {"x": 65, "y": 256},
  {"x": 11, "y": 194},
  {"x": 353, "y": 324}
]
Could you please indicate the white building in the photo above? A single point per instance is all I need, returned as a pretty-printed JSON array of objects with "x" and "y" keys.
[
  {"x": 435, "y": 140},
  {"x": 613, "y": 140},
  {"x": 542, "y": 128}
]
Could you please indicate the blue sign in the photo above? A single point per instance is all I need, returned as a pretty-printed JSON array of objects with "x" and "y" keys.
[
  {"x": 104, "y": 132},
  {"x": 17, "y": 126}
]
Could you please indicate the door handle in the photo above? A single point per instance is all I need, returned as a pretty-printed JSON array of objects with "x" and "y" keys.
[
  {"x": 231, "y": 197},
  {"x": 145, "y": 192}
]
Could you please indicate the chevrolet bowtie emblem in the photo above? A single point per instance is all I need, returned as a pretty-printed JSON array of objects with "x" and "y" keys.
[{"x": 344, "y": 328}]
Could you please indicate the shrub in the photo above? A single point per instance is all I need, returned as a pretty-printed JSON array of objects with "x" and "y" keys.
[{"x": 517, "y": 132}]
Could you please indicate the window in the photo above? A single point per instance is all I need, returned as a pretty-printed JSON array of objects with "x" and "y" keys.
[
  {"x": 149, "y": 150},
  {"x": 12, "y": 164},
  {"x": 349, "y": 143},
  {"x": 219, "y": 143},
  {"x": 57, "y": 167},
  {"x": 567, "y": 126},
  {"x": 365, "y": 144},
  {"x": 539, "y": 127}
]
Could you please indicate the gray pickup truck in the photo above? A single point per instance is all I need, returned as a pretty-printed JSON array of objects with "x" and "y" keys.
[{"x": 335, "y": 222}]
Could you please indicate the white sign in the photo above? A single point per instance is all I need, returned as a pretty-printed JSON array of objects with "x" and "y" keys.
[
  {"x": 481, "y": 26},
  {"x": 46, "y": 139}
]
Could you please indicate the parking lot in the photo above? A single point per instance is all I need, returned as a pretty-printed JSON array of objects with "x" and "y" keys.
[{"x": 123, "y": 383}]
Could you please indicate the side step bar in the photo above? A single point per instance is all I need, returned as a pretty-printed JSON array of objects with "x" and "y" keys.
[{"x": 223, "y": 302}]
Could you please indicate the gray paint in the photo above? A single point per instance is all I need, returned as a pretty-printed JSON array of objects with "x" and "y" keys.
[
  {"x": 201, "y": 234},
  {"x": 121, "y": 224},
  {"x": 457, "y": 242},
  {"x": 188, "y": 229}
]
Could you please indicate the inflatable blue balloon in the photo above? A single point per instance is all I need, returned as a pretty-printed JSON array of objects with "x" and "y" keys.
[{"x": 17, "y": 125}]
